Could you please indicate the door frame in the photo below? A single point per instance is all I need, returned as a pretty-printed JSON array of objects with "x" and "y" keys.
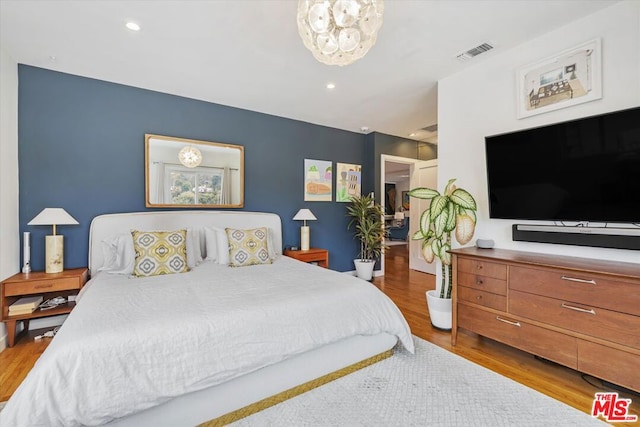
[{"x": 395, "y": 159}]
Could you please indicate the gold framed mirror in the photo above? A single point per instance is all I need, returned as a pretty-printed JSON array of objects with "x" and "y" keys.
[{"x": 183, "y": 172}]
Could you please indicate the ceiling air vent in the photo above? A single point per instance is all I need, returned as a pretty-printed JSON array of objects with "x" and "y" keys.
[
  {"x": 431, "y": 128},
  {"x": 465, "y": 56}
]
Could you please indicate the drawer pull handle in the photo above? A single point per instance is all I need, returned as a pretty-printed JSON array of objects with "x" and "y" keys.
[
  {"x": 479, "y": 266},
  {"x": 575, "y": 279},
  {"x": 479, "y": 297},
  {"x": 479, "y": 282},
  {"x": 508, "y": 321},
  {"x": 581, "y": 310},
  {"x": 43, "y": 286}
]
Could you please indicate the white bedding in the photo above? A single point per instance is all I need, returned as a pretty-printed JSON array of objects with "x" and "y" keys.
[{"x": 123, "y": 349}]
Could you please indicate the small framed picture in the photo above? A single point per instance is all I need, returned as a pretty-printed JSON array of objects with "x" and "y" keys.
[
  {"x": 406, "y": 200},
  {"x": 570, "y": 77}
]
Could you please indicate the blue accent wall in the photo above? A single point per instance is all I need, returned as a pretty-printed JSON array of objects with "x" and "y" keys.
[{"x": 81, "y": 148}]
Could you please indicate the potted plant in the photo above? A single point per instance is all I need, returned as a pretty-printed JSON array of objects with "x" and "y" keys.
[
  {"x": 367, "y": 220},
  {"x": 454, "y": 210}
]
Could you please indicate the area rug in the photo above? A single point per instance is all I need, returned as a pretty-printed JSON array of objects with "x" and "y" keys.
[{"x": 431, "y": 388}]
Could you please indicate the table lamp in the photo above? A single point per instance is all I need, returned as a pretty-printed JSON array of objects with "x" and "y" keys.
[
  {"x": 54, "y": 248},
  {"x": 399, "y": 217},
  {"x": 304, "y": 215}
]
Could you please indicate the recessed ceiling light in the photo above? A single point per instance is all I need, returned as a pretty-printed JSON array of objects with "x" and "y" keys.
[
  {"x": 331, "y": 86},
  {"x": 412, "y": 134},
  {"x": 52, "y": 58},
  {"x": 133, "y": 26}
]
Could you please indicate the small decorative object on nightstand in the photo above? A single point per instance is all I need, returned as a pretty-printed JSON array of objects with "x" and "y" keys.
[
  {"x": 39, "y": 284},
  {"x": 54, "y": 254},
  {"x": 321, "y": 256}
]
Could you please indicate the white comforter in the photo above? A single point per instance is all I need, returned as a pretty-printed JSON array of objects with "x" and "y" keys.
[{"x": 131, "y": 344}]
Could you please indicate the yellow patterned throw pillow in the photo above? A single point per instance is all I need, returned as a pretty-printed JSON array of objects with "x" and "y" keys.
[
  {"x": 160, "y": 252},
  {"x": 248, "y": 247}
]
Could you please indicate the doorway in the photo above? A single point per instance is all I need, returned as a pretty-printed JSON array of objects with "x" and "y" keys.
[
  {"x": 406, "y": 173},
  {"x": 395, "y": 173}
]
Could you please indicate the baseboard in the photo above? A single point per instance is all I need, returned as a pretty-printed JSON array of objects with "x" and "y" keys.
[
  {"x": 3, "y": 343},
  {"x": 376, "y": 273}
]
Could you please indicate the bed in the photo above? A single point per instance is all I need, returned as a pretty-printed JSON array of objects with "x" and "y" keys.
[{"x": 214, "y": 343}]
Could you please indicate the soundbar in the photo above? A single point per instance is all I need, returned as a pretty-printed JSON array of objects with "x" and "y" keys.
[{"x": 601, "y": 237}]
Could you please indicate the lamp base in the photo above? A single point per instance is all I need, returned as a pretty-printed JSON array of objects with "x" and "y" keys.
[
  {"x": 54, "y": 254},
  {"x": 304, "y": 238}
]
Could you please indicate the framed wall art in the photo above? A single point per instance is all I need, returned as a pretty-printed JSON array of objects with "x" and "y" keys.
[
  {"x": 317, "y": 180},
  {"x": 570, "y": 77},
  {"x": 348, "y": 181}
]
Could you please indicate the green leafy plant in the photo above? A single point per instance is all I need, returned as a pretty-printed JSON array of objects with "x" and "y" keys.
[
  {"x": 367, "y": 220},
  {"x": 454, "y": 210}
]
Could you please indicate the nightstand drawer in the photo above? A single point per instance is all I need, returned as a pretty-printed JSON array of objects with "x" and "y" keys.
[
  {"x": 41, "y": 286},
  {"x": 320, "y": 256}
]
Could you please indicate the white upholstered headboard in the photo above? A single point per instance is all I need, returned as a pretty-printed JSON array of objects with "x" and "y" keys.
[{"x": 103, "y": 226}]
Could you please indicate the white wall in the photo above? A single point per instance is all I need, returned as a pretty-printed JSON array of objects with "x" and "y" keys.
[
  {"x": 481, "y": 101},
  {"x": 9, "y": 233}
]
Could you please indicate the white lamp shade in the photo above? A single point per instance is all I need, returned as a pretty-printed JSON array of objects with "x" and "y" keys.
[
  {"x": 53, "y": 216},
  {"x": 304, "y": 215},
  {"x": 399, "y": 216}
]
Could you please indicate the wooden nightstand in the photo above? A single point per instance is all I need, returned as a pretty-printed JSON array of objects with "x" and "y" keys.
[
  {"x": 69, "y": 282},
  {"x": 321, "y": 256}
]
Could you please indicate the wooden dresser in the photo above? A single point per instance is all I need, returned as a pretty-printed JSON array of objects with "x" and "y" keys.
[{"x": 581, "y": 313}]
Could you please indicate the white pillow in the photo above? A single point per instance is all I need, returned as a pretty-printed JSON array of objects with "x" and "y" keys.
[
  {"x": 120, "y": 256},
  {"x": 211, "y": 245},
  {"x": 194, "y": 249},
  {"x": 270, "y": 248},
  {"x": 217, "y": 245}
]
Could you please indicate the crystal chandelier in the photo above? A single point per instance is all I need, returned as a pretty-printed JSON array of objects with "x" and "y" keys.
[
  {"x": 339, "y": 32},
  {"x": 190, "y": 156}
]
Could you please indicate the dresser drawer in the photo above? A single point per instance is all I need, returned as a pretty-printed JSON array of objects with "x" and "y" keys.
[
  {"x": 487, "y": 299},
  {"x": 41, "y": 286},
  {"x": 543, "y": 342},
  {"x": 482, "y": 268},
  {"x": 589, "y": 320},
  {"x": 483, "y": 283},
  {"x": 615, "y": 365},
  {"x": 582, "y": 288}
]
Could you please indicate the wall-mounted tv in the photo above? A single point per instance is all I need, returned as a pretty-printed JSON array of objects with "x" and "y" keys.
[{"x": 581, "y": 170}]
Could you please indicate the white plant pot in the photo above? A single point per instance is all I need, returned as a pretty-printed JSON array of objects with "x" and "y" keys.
[
  {"x": 364, "y": 268},
  {"x": 439, "y": 310}
]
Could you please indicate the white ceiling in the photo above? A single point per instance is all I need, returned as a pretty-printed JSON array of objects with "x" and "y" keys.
[{"x": 248, "y": 54}]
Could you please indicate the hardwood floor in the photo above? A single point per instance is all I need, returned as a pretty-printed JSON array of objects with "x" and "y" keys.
[{"x": 407, "y": 289}]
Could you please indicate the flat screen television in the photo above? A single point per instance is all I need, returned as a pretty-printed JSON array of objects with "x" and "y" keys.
[{"x": 581, "y": 170}]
